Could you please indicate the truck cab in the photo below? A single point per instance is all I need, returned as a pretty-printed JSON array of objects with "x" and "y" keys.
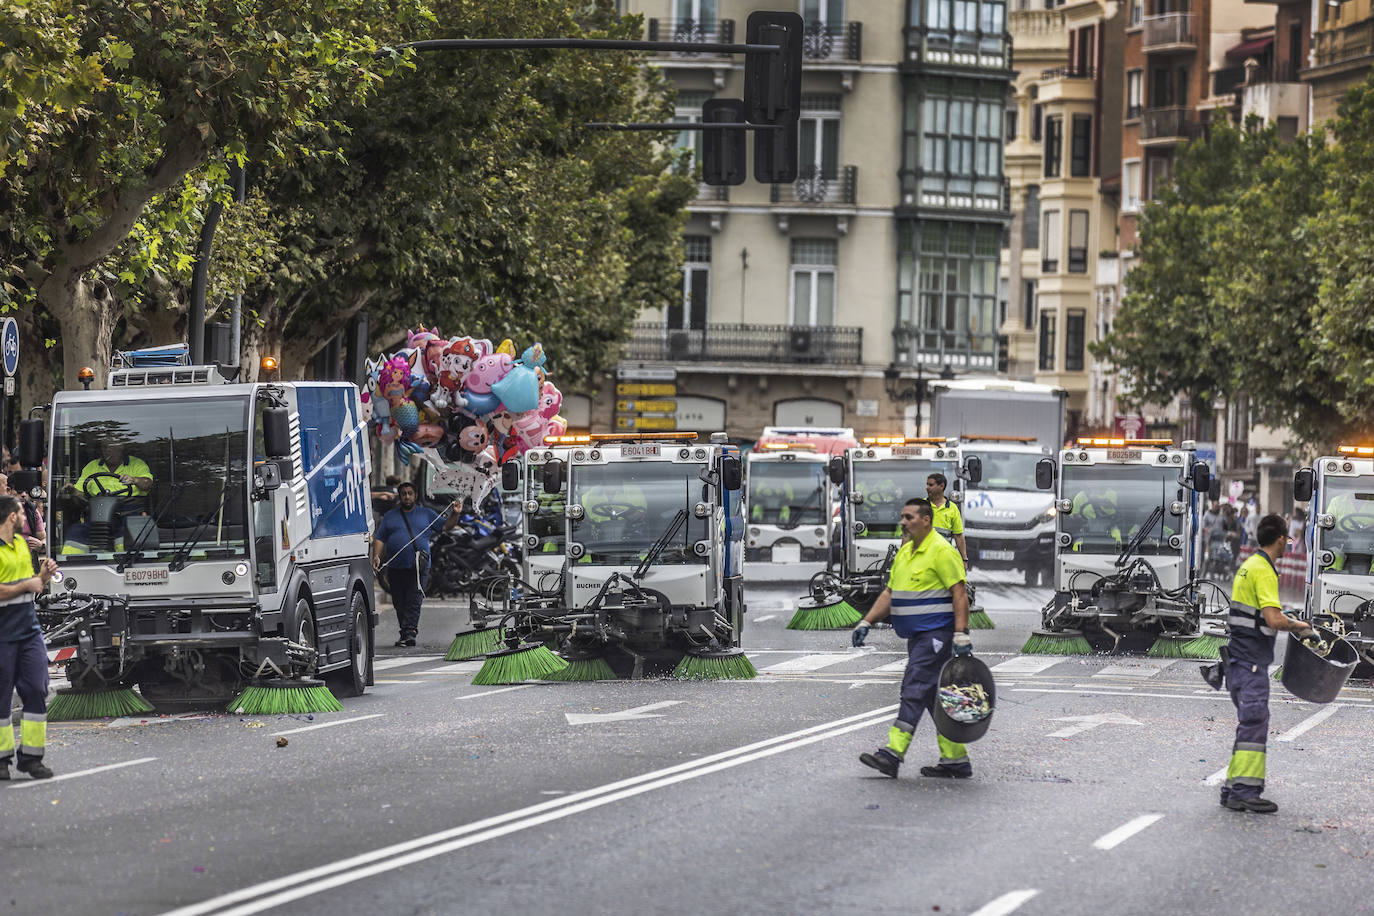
[
  {"x": 1340, "y": 548},
  {"x": 1009, "y": 522},
  {"x": 788, "y": 496},
  {"x": 239, "y": 550},
  {"x": 1126, "y": 538}
]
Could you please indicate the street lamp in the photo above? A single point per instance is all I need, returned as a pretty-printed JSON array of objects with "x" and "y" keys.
[{"x": 904, "y": 388}]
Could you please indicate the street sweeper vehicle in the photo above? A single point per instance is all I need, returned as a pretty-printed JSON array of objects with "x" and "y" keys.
[
  {"x": 211, "y": 538},
  {"x": 789, "y": 496},
  {"x": 1008, "y": 521},
  {"x": 1340, "y": 549},
  {"x": 1126, "y": 574},
  {"x": 875, "y": 480},
  {"x": 650, "y": 557}
]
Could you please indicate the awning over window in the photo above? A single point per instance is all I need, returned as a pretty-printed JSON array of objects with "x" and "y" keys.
[{"x": 1252, "y": 48}]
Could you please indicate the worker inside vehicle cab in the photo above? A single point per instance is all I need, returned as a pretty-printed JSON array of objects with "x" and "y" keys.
[
  {"x": 614, "y": 512},
  {"x": 1098, "y": 510},
  {"x": 109, "y": 489},
  {"x": 770, "y": 502},
  {"x": 1351, "y": 537}
]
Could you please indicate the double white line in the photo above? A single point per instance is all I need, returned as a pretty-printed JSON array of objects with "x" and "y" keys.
[{"x": 279, "y": 891}]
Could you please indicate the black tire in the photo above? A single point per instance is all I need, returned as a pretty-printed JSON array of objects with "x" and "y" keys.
[
  {"x": 301, "y": 629},
  {"x": 352, "y": 681}
]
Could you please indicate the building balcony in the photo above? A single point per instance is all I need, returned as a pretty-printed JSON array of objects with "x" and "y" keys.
[
  {"x": 960, "y": 351},
  {"x": 1340, "y": 46},
  {"x": 1067, "y": 84},
  {"x": 1162, "y": 126},
  {"x": 747, "y": 343},
  {"x": 1169, "y": 32},
  {"x": 815, "y": 188},
  {"x": 695, "y": 31},
  {"x": 826, "y": 43},
  {"x": 712, "y": 194},
  {"x": 942, "y": 50}
]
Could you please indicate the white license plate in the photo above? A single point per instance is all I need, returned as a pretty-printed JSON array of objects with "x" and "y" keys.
[
  {"x": 787, "y": 553},
  {"x": 146, "y": 575},
  {"x": 639, "y": 451},
  {"x": 997, "y": 555},
  {"x": 906, "y": 451}
]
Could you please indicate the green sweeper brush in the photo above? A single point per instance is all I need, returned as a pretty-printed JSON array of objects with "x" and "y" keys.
[
  {"x": 584, "y": 668},
  {"x": 528, "y": 662},
  {"x": 468, "y": 646},
  {"x": 828, "y": 613},
  {"x": 718, "y": 665},
  {"x": 1067, "y": 642},
  {"x": 1170, "y": 645},
  {"x": 285, "y": 696},
  {"x": 1208, "y": 647},
  {"x": 96, "y": 704},
  {"x": 978, "y": 619}
]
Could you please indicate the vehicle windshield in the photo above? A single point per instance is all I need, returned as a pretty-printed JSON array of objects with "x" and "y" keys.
[
  {"x": 1007, "y": 471},
  {"x": 1112, "y": 502},
  {"x": 627, "y": 506},
  {"x": 186, "y": 460},
  {"x": 787, "y": 493},
  {"x": 1350, "y": 503},
  {"x": 886, "y": 486}
]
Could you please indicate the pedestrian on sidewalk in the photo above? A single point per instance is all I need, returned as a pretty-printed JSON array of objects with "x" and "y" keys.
[
  {"x": 32, "y": 525},
  {"x": 927, "y": 600},
  {"x": 401, "y": 546},
  {"x": 1255, "y": 618},
  {"x": 23, "y": 654}
]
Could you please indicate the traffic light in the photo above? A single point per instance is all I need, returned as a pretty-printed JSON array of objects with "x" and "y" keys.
[
  {"x": 772, "y": 93},
  {"x": 723, "y": 151}
]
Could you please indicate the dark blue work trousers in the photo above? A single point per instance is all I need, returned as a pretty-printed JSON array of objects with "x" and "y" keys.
[{"x": 406, "y": 597}]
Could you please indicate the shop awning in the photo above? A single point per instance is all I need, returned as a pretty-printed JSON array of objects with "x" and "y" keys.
[{"x": 1253, "y": 48}]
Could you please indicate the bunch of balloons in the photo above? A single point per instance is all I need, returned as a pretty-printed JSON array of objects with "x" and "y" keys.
[{"x": 462, "y": 400}]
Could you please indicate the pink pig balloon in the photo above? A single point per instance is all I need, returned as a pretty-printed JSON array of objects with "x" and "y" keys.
[{"x": 486, "y": 370}]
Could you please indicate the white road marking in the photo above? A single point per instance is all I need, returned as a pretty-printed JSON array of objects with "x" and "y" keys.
[
  {"x": 406, "y": 681},
  {"x": 340, "y": 872},
  {"x": 400, "y": 661},
  {"x": 153, "y": 718},
  {"x": 1025, "y": 664},
  {"x": 765, "y": 617},
  {"x": 1126, "y": 831},
  {"x": 1312, "y": 721},
  {"x": 93, "y": 770},
  {"x": 471, "y": 667},
  {"x": 1217, "y": 778},
  {"x": 487, "y": 693},
  {"x": 639, "y": 712},
  {"x": 311, "y": 728},
  {"x": 1141, "y": 668},
  {"x": 1088, "y": 723},
  {"x": 808, "y": 663},
  {"x": 1007, "y": 903},
  {"x": 1121, "y": 693},
  {"x": 896, "y": 667}
]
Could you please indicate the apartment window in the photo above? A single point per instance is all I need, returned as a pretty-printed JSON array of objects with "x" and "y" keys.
[
  {"x": 1130, "y": 186},
  {"x": 1028, "y": 305},
  {"x": 687, "y": 110},
  {"x": 1135, "y": 93},
  {"x": 1049, "y": 243},
  {"x": 813, "y": 281},
  {"x": 819, "y": 149},
  {"x": 1287, "y": 128},
  {"x": 696, "y": 285},
  {"x": 1030, "y": 229},
  {"x": 961, "y": 138},
  {"x": 1011, "y": 125},
  {"x": 949, "y": 271},
  {"x": 1158, "y": 174},
  {"x": 1075, "y": 322},
  {"x": 1078, "y": 241},
  {"x": 1046, "y": 342},
  {"x": 1081, "y": 147},
  {"x": 992, "y": 23},
  {"x": 1137, "y": 13},
  {"x": 1054, "y": 146},
  {"x": 1037, "y": 122},
  {"x": 702, "y": 11},
  {"x": 823, "y": 12}
]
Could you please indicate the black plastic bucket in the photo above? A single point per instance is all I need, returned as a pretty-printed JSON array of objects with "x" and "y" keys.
[
  {"x": 964, "y": 670},
  {"x": 1309, "y": 676}
]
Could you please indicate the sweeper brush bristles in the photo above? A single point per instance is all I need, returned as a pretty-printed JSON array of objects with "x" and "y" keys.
[
  {"x": 839, "y": 616},
  {"x": 978, "y": 619},
  {"x": 514, "y": 666},
  {"x": 716, "y": 668},
  {"x": 1068, "y": 643},
  {"x": 274, "y": 701},
  {"x": 584, "y": 669},
  {"x": 96, "y": 704},
  {"x": 1207, "y": 647},
  {"x": 467, "y": 646},
  {"x": 1170, "y": 647}
]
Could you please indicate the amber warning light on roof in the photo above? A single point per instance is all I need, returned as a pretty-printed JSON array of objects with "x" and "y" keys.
[
  {"x": 1124, "y": 443},
  {"x": 1364, "y": 451}
]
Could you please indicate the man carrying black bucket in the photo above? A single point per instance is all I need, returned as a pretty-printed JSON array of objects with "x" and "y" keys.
[
  {"x": 928, "y": 604},
  {"x": 1254, "y": 620}
]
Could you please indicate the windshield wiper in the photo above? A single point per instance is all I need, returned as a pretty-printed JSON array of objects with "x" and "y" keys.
[
  {"x": 183, "y": 552},
  {"x": 661, "y": 544},
  {"x": 1124, "y": 557},
  {"x": 796, "y": 512},
  {"x": 130, "y": 556}
]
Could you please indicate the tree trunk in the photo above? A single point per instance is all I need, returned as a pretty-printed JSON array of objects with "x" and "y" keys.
[
  {"x": 87, "y": 312},
  {"x": 38, "y": 363}
]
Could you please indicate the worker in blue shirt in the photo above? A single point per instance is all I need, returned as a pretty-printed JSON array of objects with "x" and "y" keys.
[{"x": 400, "y": 545}]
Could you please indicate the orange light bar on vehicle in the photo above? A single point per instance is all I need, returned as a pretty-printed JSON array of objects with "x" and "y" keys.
[
  {"x": 1360, "y": 450},
  {"x": 997, "y": 438},
  {"x": 904, "y": 440},
  {"x": 643, "y": 437},
  {"x": 567, "y": 440},
  {"x": 1120, "y": 443},
  {"x": 790, "y": 446}
]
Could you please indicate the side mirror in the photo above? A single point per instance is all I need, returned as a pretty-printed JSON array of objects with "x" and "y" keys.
[
  {"x": 510, "y": 475},
  {"x": 836, "y": 470},
  {"x": 266, "y": 477},
  {"x": 276, "y": 432},
  {"x": 31, "y": 444},
  {"x": 1214, "y": 489},
  {"x": 1044, "y": 474},
  {"x": 30, "y": 482},
  {"x": 973, "y": 468},
  {"x": 1202, "y": 477},
  {"x": 553, "y": 476},
  {"x": 1303, "y": 484},
  {"x": 731, "y": 474}
]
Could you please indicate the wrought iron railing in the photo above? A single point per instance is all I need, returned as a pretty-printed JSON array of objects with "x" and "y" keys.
[
  {"x": 1069, "y": 73},
  {"x": 818, "y": 187},
  {"x": 746, "y": 343},
  {"x": 839, "y": 41},
  {"x": 1168, "y": 29},
  {"x": 1162, "y": 123},
  {"x": 1336, "y": 45},
  {"x": 719, "y": 193},
  {"x": 696, "y": 31}
]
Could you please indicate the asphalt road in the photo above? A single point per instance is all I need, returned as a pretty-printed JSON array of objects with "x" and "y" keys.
[{"x": 1094, "y": 792}]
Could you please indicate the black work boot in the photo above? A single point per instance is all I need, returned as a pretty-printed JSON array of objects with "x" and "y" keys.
[
  {"x": 4, "y": 771},
  {"x": 35, "y": 768},
  {"x": 882, "y": 760},
  {"x": 940, "y": 771},
  {"x": 1255, "y": 805}
]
